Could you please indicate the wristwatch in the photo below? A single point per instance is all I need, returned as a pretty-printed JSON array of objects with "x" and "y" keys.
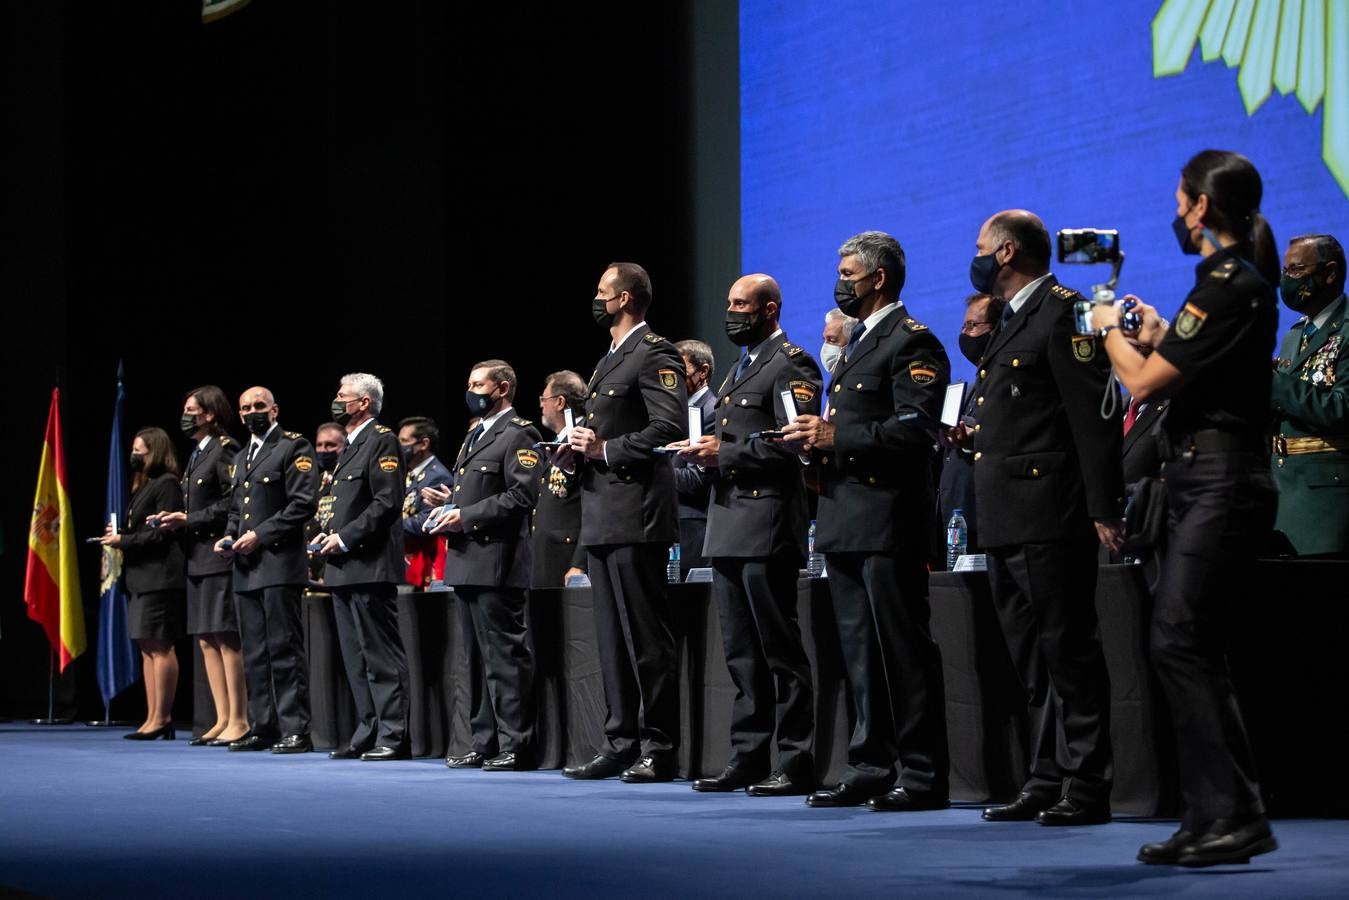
[{"x": 1105, "y": 331}]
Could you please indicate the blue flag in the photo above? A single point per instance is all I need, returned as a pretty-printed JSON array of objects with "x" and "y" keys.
[{"x": 117, "y": 668}]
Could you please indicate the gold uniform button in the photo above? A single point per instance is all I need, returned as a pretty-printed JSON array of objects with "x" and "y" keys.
[
  {"x": 201, "y": 481},
  {"x": 246, "y": 499},
  {"x": 983, "y": 373},
  {"x": 594, "y": 394},
  {"x": 744, "y": 401},
  {"x": 611, "y": 392},
  {"x": 859, "y": 385},
  {"x": 977, "y": 455},
  {"x": 1035, "y": 472},
  {"x": 977, "y": 427},
  {"x": 979, "y": 401},
  {"x": 833, "y": 411},
  {"x": 482, "y": 468},
  {"x": 458, "y": 487},
  {"x": 348, "y": 478},
  {"x": 754, "y": 493},
  {"x": 475, "y": 527},
  {"x": 837, "y": 388},
  {"x": 824, "y": 460},
  {"x": 871, "y": 479},
  {"x": 724, "y": 422},
  {"x": 1015, "y": 363},
  {"x": 566, "y": 540},
  {"x": 268, "y": 479},
  {"x": 245, "y": 484},
  {"x": 247, "y": 516},
  {"x": 462, "y": 470}
]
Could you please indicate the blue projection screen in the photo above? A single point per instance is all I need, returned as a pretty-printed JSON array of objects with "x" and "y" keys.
[{"x": 922, "y": 119}]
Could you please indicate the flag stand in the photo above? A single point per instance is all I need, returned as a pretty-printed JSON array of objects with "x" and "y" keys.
[
  {"x": 51, "y": 698},
  {"x": 108, "y": 721}
]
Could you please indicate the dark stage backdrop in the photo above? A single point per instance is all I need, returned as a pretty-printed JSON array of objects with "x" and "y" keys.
[{"x": 288, "y": 194}]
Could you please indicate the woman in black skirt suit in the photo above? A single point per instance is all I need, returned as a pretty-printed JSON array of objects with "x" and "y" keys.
[
  {"x": 152, "y": 566},
  {"x": 207, "y": 486}
]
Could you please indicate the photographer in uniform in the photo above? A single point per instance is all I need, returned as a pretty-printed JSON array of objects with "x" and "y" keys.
[{"x": 1213, "y": 364}]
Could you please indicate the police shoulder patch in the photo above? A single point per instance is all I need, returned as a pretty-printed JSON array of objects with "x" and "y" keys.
[
  {"x": 293, "y": 435},
  {"x": 669, "y": 378},
  {"x": 523, "y": 423},
  {"x": 802, "y": 391},
  {"x": 1063, "y": 293},
  {"x": 388, "y": 463},
  {"x": 1084, "y": 347},
  {"x": 1190, "y": 320},
  {"x": 792, "y": 350},
  {"x": 527, "y": 459},
  {"x": 913, "y": 326},
  {"x": 304, "y": 463},
  {"x": 923, "y": 372},
  {"x": 1224, "y": 271},
  {"x": 652, "y": 338}
]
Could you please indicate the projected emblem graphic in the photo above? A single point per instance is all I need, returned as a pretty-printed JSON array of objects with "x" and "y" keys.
[{"x": 1292, "y": 45}]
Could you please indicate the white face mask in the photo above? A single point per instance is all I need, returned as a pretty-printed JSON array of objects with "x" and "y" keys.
[{"x": 830, "y": 354}]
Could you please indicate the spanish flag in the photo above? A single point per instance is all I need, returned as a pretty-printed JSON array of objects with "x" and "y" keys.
[{"x": 52, "y": 586}]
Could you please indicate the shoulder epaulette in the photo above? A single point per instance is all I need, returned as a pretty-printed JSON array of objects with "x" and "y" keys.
[
  {"x": 1225, "y": 270},
  {"x": 293, "y": 435},
  {"x": 523, "y": 423},
  {"x": 792, "y": 350},
  {"x": 652, "y": 338},
  {"x": 381, "y": 429},
  {"x": 1063, "y": 293},
  {"x": 226, "y": 440},
  {"x": 912, "y": 325}
]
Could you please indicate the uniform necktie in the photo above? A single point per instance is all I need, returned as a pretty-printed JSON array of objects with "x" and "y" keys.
[
  {"x": 857, "y": 333},
  {"x": 1132, "y": 415},
  {"x": 1007, "y": 313},
  {"x": 252, "y": 451},
  {"x": 473, "y": 438},
  {"x": 741, "y": 366},
  {"x": 192, "y": 460}
]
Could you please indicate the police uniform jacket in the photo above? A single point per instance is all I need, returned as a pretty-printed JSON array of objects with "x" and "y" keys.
[
  {"x": 1044, "y": 458},
  {"x": 152, "y": 557},
  {"x": 876, "y": 482},
  {"x": 207, "y": 486},
  {"x": 637, "y": 401},
  {"x": 495, "y": 490},
  {"x": 758, "y": 504},
  {"x": 555, "y": 527},
  {"x": 367, "y": 510},
  {"x": 274, "y": 498}
]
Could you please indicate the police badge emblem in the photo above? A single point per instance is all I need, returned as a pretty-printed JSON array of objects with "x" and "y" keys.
[
  {"x": 1190, "y": 320},
  {"x": 1084, "y": 347},
  {"x": 923, "y": 372},
  {"x": 668, "y": 378}
]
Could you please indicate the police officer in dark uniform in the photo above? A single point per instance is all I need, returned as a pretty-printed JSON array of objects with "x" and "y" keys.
[
  {"x": 693, "y": 484},
  {"x": 1310, "y": 397},
  {"x": 364, "y": 548},
  {"x": 1049, "y": 490},
  {"x": 487, "y": 564},
  {"x": 555, "y": 522},
  {"x": 273, "y": 497},
  {"x": 207, "y": 483},
  {"x": 872, "y": 447},
  {"x": 330, "y": 439},
  {"x": 417, "y": 438},
  {"x": 1213, "y": 364},
  {"x": 756, "y": 541},
  {"x": 637, "y": 403}
]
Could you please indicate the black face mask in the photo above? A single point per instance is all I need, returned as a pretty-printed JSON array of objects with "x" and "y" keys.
[
  {"x": 742, "y": 327},
  {"x": 478, "y": 404},
  {"x": 847, "y": 298},
  {"x": 1299, "y": 294},
  {"x": 339, "y": 412},
  {"x": 327, "y": 459},
  {"x": 257, "y": 423},
  {"x": 1182, "y": 232},
  {"x": 984, "y": 272},
  {"x": 187, "y": 425},
  {"x": 409, "y": 454},
  {"x": 602, "y": 316},
  {"x": 973, "y": 348},
  {"x": 136, "y": 462}
]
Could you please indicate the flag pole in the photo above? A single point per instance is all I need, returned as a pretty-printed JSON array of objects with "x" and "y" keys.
[{"x": 51, "y": 696}]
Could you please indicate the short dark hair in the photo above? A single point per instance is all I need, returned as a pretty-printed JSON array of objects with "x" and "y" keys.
[
  {"x": 633, "y": 279},
  {"x": 1026, "y": 232},
  {"x": 331, "y": 426},
  {"x": 1327, "y": 249},
  {"x": 569, "y": 385},
  {"x": 422, "y": 427},
  {"x": 498, "y": 370},
  {"x": 698, "y": 353},
  {"x": 995, "y": 305}
]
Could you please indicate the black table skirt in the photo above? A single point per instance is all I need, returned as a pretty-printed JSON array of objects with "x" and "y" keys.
[{"x": 1287, "y": 669}]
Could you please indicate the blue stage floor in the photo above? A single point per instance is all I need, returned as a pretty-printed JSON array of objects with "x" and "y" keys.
[{"x": 85, "y": 813}]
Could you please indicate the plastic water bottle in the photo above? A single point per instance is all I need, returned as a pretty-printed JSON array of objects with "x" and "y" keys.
[
  {"x": 672, "y": 567},
  {"x": 957, "y": 539},
  {"x": 814, "y": 561}
]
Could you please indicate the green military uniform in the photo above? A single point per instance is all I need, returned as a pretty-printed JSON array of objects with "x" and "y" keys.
[{"x": 1311, "y": 444}]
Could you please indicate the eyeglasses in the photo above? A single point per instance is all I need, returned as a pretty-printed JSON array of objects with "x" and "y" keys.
[
  {"x": 553, "y": 397},
  {"x": 974, "y": 329},
  {"x": 1301, "y": 268}
]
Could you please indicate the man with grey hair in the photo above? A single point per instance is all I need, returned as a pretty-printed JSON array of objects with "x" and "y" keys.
[
  {"x": 693, "y": 487},
  {"x": 838, "y": 329},
  {"x": 555, "y": 524},
  {"x": 364, "y": 548}
]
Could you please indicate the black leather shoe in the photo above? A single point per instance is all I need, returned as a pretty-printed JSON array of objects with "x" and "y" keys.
[
  {"x": 199, "y": 741},
  {"x": 293, "y": 743},
  {"x": 1023, "y": 809},
  {"x": 1226, "y": 842},
  {"x": 384, "y": 754},
  {"x": 504, "y": 762},
  {"x": 900, "y": 800},
  {"x": 221, "y": 742},
  {"x": 346, "y": 753},
  {"x": 166, "y": 732},
  {"x": 1166, "y": 853},
  {"x": 730, "y": 779},
  {"x": 1075, "y": 812},
  {"x": 779, "y": 784},
  {"x": 599, "y": 767},
  {"x": 471, "y": 760},
  {"x": 841, "y": 795},
  {"x": 648, "y": 770},
  {"x": 251, "y": 742}
]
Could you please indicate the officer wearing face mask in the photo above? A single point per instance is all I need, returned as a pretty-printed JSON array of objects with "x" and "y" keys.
[
  {"x": 425, "y": 554},
  {"x": 1310, "y": 397},
  {"x": 274, "y": 496},
  {"x": 955, "y": 490},
  {"x": 364, "y": 548},
  {"x": 872, "y": 448},
  {"x": 693, "y": 486},
  {"x": 329, "y": 441},
  {"x": 838, "y": 328},
  {"x": 487, "y": 562},
  {"x": 756, "y": 540},
  {"x": 637, "y": 402}
]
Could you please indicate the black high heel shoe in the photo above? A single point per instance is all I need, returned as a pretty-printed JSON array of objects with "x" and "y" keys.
[{"x": 166, "y": 732}]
